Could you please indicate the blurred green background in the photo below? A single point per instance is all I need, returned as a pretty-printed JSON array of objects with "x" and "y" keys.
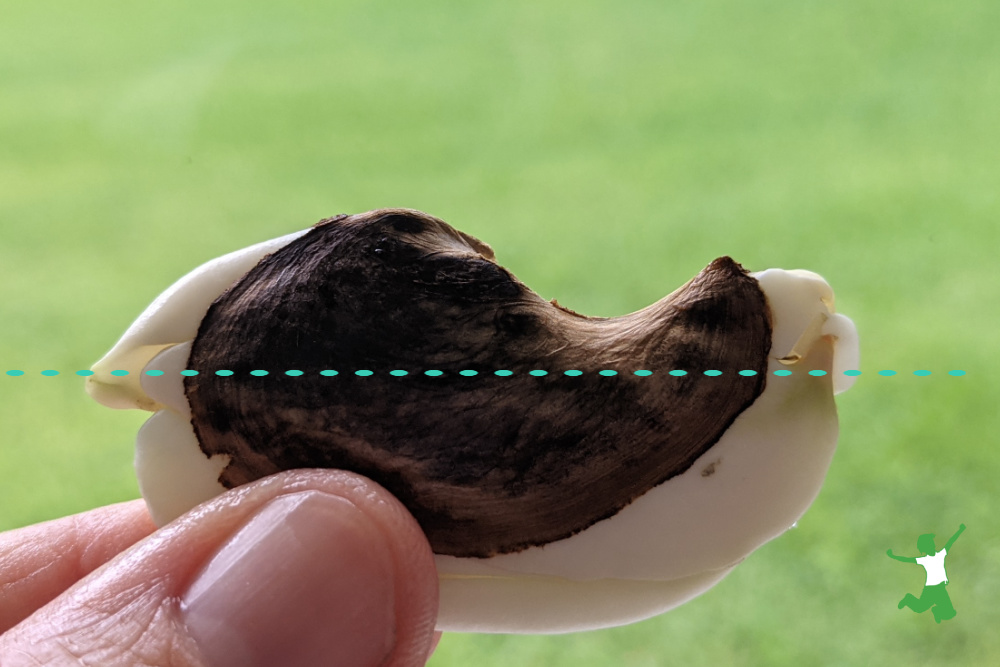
[{"x": 608, "y": 151}]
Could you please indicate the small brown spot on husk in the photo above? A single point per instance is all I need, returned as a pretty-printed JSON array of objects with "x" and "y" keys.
[
  {"x": 486, "y": 464},
  {"x": 709, "y": 470}
]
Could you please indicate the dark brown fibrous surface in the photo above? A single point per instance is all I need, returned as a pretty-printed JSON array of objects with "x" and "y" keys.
[{"x": 486, "y": 464}]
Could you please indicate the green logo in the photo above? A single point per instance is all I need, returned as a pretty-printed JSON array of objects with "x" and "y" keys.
[{"x": 935, "y": 593}]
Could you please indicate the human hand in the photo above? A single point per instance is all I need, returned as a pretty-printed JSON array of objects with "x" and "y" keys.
[{"x": 306, "y": 567}]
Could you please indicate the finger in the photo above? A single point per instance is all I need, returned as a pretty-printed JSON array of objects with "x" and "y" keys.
[
  {"x": 434, "y": 644},
  {"x": 304, "y": 567},
  {"x": 39, "y": 562}
]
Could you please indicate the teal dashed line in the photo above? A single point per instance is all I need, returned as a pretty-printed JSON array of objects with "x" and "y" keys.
[{"x": 470, "y": 373}]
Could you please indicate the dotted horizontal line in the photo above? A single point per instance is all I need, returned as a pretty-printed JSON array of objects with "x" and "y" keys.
[{"x": 469, "y": 373}]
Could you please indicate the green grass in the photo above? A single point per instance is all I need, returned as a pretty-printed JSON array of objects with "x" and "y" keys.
[{"x": 608, "y": 152}]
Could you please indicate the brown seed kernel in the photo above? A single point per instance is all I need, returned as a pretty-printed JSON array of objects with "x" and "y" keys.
[{"x": 487, "y": 465}]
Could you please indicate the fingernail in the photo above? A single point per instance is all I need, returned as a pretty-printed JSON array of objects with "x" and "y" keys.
[{"x": 307, "y": 581}]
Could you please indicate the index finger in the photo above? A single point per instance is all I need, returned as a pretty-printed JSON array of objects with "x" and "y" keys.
[{"x": 39, "y": 562}]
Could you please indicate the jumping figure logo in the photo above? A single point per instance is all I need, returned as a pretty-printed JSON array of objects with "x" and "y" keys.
[{"x": 935, "y": 594}]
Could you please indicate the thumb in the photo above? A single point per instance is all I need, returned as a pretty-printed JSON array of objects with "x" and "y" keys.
[{"x": 306, "y": 567}]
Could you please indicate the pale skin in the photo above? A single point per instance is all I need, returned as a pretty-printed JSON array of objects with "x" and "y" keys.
[{"x": 106, "y": 587}]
